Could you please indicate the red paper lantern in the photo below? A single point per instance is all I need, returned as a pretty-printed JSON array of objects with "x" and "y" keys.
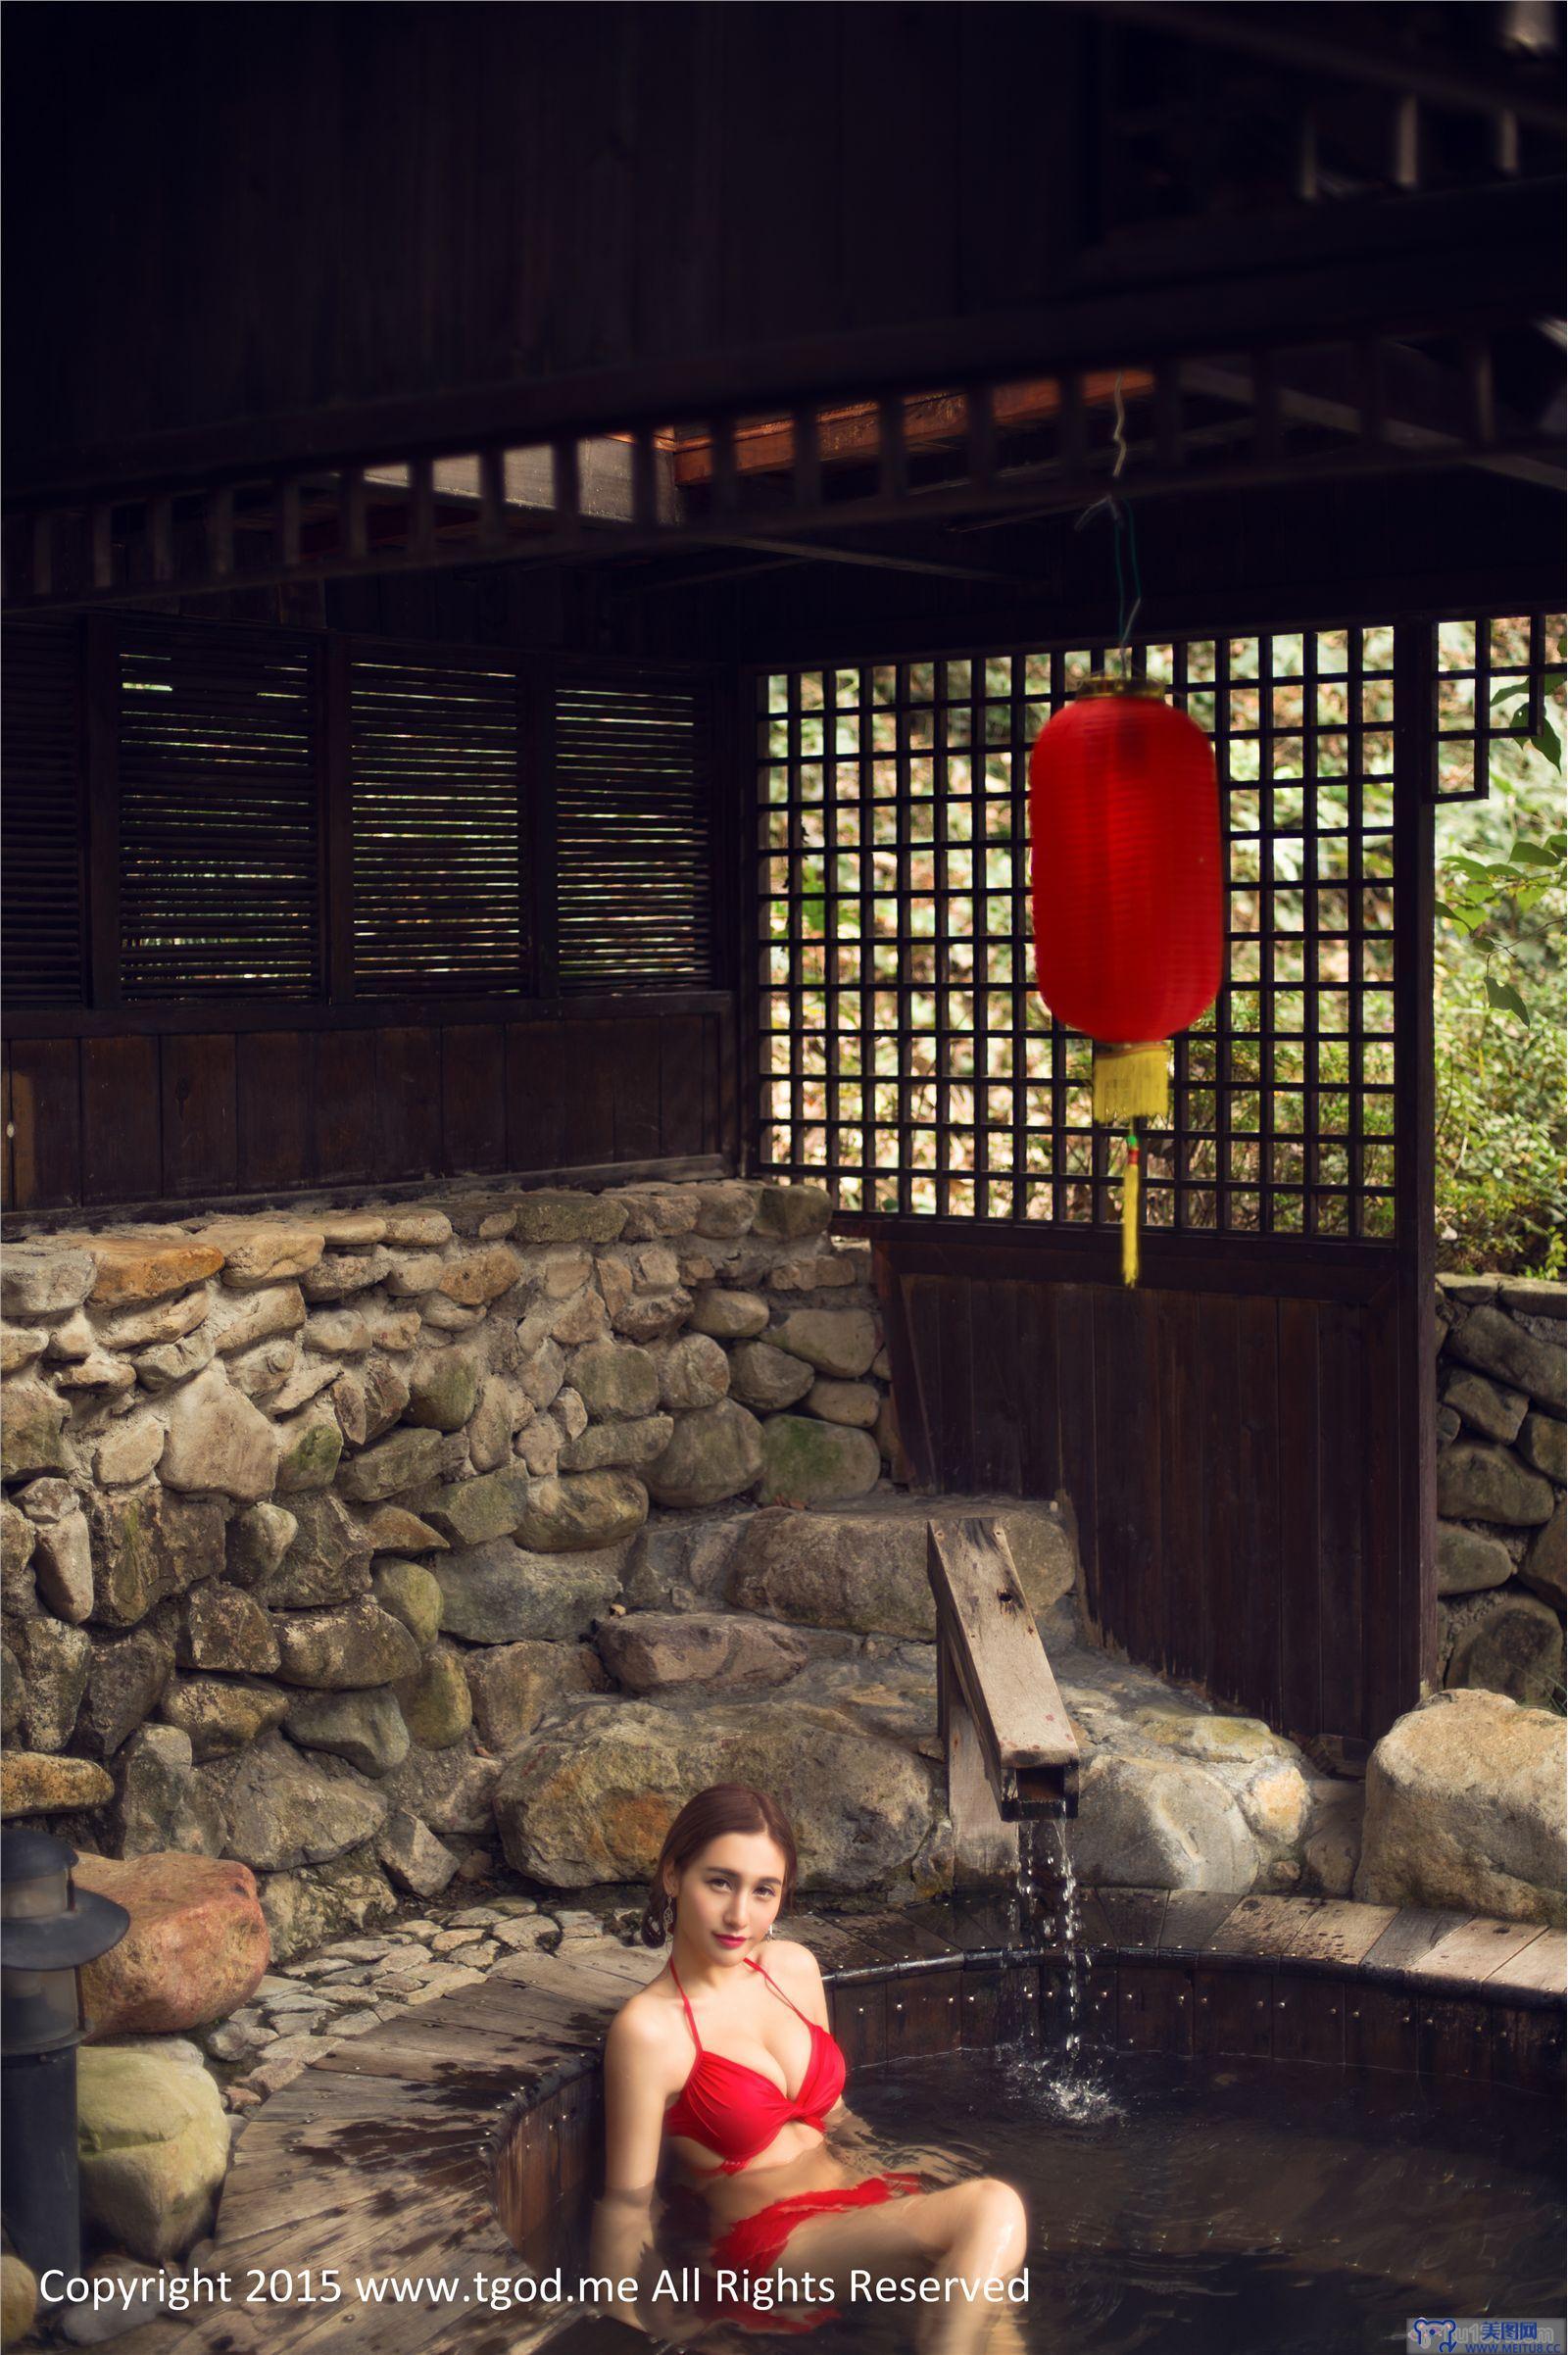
[{"x": 1126, "y": 876}]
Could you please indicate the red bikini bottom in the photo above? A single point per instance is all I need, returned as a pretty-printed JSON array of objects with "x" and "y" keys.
[
  {"x": 756, "y": 2242},
  {"x": 754, "y": 2245}
]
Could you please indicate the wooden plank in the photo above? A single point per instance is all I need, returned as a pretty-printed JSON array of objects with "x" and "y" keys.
[
  {"x": 1413, "y": 1932},
  {"x": 1338, "y": 1932},
  {"x": 537, "y": 1085},
  {"x": 984, "y": 1617},
  {"x": 1543, "y": 1964},
  {"x": 684, "y": 1048},
  {"x": 1308, "y": 2019},
  {"x": 1262, "y": 1925},
  {"x": 408, "y": 1101},
  {"x": 1343, "y": 1409},
  {"x": 1153, "y": 2011},
  {"x": 956, "y": 1442},
  {"x": 998, "y": 1398},
  {"x": 1038, "y": 1442},
  {"x": 46, "y": 1114},
  {"x": 474, "y": 1106},
  {"x": 1075, "y": 1408},
  {"x": 1474, "y": 1950},
  {"x": 1258, "y": 1531},
  {"x": 922, "y": 2014},
  {"x": 122, "y": 1154},
  {"x": 1300, "y": 1607},
  {"x": 1193, "y": 1916},
  {"x": 1219, "y": 1357},
  {"x": 199, "y": 1108},
  {"x": 1381, "y": 2030},
  {"x": 1182, "y": 1630},
  {"x": 1235, "y": 2013},
  {"x": 637, "y": 1130},
  {"x": 1135, "y": 1917},
  {"x": 275, "y": 1141},
  {"x": 588, "y": 1115},
  {"x": 921, "y": 1295},
  {"x": 343, "y": 1107}
]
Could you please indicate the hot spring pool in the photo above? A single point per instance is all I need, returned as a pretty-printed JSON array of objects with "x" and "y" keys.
[{"x": 1235, "y": 2207}]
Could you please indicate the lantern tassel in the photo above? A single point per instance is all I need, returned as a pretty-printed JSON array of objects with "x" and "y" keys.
[
  {"x": 1132, "y": 1083},
  {"x": 1130, "y": 1188}
]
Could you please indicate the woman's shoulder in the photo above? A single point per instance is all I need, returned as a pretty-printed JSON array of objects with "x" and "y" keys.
[
  {"x": 645, "y": 2022},
  {"x": 791, "y": 1963}
]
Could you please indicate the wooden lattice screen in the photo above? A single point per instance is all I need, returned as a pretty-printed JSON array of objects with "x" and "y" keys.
[
  {"x": 41, "y": 829},
  {"x": 905, "y": 1057}
]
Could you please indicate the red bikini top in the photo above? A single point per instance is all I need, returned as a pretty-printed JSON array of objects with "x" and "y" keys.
[{"x": 737, "y": 2111}]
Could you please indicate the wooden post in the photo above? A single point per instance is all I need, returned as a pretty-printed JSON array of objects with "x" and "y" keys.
[{"x": 1011, "y": 1748}]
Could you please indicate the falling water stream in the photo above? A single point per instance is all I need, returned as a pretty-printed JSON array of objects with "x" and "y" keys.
[{"x": 1065, "y": 2075}]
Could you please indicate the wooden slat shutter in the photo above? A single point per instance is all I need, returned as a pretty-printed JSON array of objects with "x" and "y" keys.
[
  {"x": 434, "y": 747},
  {"x": 633, "y": 835},
  {"x": 218, "y": 828},
  {"x": 40, "y": 839}
]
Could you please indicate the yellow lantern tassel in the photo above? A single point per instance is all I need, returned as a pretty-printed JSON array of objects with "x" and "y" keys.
[
  {"x": 1130, "y": 1188},
  {"x": 1132, "y": 1083}
]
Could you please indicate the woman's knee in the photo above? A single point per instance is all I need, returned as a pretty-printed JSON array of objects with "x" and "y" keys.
[{"x": 1000, "y": 2211}]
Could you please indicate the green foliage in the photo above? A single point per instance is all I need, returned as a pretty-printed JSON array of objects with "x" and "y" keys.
[{"x": 1500, "y": 975}]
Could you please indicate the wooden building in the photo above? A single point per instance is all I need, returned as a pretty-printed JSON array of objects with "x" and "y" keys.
[{"x": 538, "y": 538}]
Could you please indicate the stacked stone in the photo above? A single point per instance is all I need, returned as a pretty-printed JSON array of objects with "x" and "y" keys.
[
  {"x": 1500, "y": 1478},
  {"x": 310, "y": 1519}
]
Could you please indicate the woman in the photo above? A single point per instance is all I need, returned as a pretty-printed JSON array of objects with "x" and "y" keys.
[{"x": 725, "y": 2063}]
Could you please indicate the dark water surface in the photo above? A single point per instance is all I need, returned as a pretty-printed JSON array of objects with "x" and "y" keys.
[{"x": 1244, "y": 2208}]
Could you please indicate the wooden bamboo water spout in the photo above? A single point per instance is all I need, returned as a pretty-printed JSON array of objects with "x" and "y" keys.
[{"x": 1011, "y": 1749}]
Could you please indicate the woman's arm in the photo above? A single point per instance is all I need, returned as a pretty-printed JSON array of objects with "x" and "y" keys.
[{"x": 635, "y": 2069}]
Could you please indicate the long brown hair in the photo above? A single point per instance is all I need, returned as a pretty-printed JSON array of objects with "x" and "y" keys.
[{"x": 722, "y": 1809}]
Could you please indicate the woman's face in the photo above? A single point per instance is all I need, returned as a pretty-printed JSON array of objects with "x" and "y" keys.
[{"x": 729, "y": 1897}]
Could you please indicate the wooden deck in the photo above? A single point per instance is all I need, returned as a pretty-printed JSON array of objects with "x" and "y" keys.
[{"x": 386, "y": 2159}]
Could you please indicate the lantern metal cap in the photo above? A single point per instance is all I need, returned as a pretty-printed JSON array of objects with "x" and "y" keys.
[
  {"x": 78, "y": 1932},
  {"x": 1111, "y": 682}
]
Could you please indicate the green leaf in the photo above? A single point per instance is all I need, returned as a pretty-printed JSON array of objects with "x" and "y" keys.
[
  {"x": 1509, "y": 687},
  {"x": 1533, "y": 894},
  {"x": 1534, "y": 853},
  {"x": 1471, "y": 867},
  {"x": 1507, "y": 999},
  {"x": 1549, "y": 744}
]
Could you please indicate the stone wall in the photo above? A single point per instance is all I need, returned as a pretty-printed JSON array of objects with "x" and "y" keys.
[
  {"x": 310, "y": 1520},
  {"x": 1501, "y": 1473}
]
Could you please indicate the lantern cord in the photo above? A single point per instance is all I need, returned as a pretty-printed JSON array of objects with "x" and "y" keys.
[
  {"x": 1125, "y": 548},
  {"x": 1131, "y": 1174}
]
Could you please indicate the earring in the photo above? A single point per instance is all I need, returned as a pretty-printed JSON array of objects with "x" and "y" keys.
[{"x": 770, "y": 1929}]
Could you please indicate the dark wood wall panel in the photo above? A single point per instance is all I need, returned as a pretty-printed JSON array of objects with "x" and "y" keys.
[
  {"x": 122, "y": 1133},
  {"x": 1225, "y": 1458},
  {"x": 117, "y": 1117}
]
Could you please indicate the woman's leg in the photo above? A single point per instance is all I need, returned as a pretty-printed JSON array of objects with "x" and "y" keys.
[{"x": 967, "y": 2235}]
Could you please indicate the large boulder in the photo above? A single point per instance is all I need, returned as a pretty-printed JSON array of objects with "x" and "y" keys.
[
  {"x": 222, "y": 1627},
  {"x": 1507, "y": 1643},
  {"x": 1491, "y": 1484},
  {"x": 615, "y": 1379},
  {"x": 326, "y": 1558},
  {"x": 218, "y": 1440},
  {"x": 153, "y": 2142},
  {"x": 512, "y": 1686},
  {"x": 1465, "y": 1807},
  {"x": 502, "y": 1593},
  {"x": 278, "y": 1810},
  {"x": 367, "y": 1729},
  {"x": 767, "y": 1378},
  {"x": 1158, "y": 1823},
  {"x": 434, "y": 1700},
  {"x": 652, "y": 1651},
  {"x": 405, "y": 1461},
  {"x": 471, "y": 1512},
  {"x": 1469, "y": 1561},
  {"x": 149, "y": 1543},
  {"x": 1490, "y": 1340},
  {"x": 340, "y": 1650},
  {"x": 413, "y": 1595},
  {"x": 37, "y": 1783},
  {"x": 835, "y": 1341},
  {"x": 835, "y": 1570},
  {"x": 605, "y": 1445},
  {"x": 693, "y": 1371},
  {"x": 31, "y": 1429},
  {"x": 713, "y": 1452},
  {"x": 448, "y": 1789},
  {"x": 806, "y": 1461},
  {"x": 54, "y": 1661},
  {"x": 220, "y": 1714},
  {"x": 593, "y": 1796},
  {"x": 1542, "y": 1569},
  {"x": 583, "y": 1512},
  {"x": 321, "y": 1902},
  {"x": 195, "y": 1951},
  {"x": 162, "y": 1803},
  {"x": 730, "y": 1315}
]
